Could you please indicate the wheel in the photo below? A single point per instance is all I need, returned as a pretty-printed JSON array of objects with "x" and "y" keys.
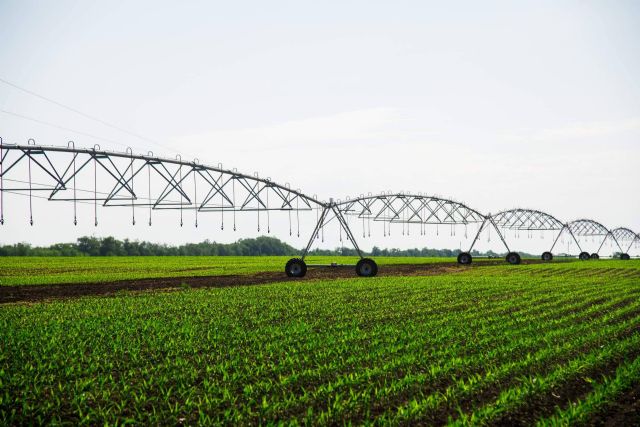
[
  {"x": 513, "y": 258},
  {"x": 625, "y": 257},
  {"x": 547, "y": 256},
  {"x": 465, "y": 258},
  {"x": 295, "y": 268},
  {"x": 366, "y": 267},
  {"x": 584, "y": 256},
  {"x": 594, "y": 256}
]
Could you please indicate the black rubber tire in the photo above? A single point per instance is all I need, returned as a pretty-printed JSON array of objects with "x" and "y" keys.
[
  {"x": 594, "y": 256},
  {"x": 366, "y": 267},
  {"x": 295, "y": 268},
  {"x": 584, "y": 256},
  {"x": 625, "y": 257},
  {"x": 513, "y": 258},
  {"x": 547, "y": 256},
  {"x": 464, "y": 258}
]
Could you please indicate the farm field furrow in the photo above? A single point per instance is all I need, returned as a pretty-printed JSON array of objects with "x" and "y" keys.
[
  {"x": 61, "y": 270},
  {"x": 416, "y": 369},
  {"x": 488, "y": 382},
  {"x": 607, "y": 395},
  {"x": 56, "y": 270},
  {"x": 443, "y": 341},
  {"x": 519, "y": 345}
]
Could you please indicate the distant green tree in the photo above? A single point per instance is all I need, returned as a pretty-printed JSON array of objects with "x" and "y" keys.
[
  {"x": 263, "y": 245},
  {"x": 109, "y": 246},
  {"x": 89, "y": 246}
]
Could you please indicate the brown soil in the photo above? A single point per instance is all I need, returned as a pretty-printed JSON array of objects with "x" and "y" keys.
[
  {"x": 18, "y": 293},
  {"x": 623, "y": 412},
  {"x": 571, "y": 391}
]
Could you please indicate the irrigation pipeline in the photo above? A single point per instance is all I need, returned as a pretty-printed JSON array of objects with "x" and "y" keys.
[{"x": 124, "y": 179}]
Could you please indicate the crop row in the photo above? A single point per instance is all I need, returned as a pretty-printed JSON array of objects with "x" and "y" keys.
[
  {"x": 464, "y": 349},
  {"x": 55, "y": 270}
]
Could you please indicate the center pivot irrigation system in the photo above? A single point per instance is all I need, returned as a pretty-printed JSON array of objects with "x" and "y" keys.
[{"x": 146, "y": 183}]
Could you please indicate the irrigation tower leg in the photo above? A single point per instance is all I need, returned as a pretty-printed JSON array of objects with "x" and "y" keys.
[
  {"x": 605, "y": 239},
  {"x": 365, "y": 267},
  {"x": 316, "y": 230},
  {"x": 557, "y": 238},
  {"x": 296, "y": 267},
  {"x": 465, "y": 258},
  {"x": 602, "y": 244},
  {"x": 512, "y": 257},
  {"x": 566, "y": 227},
  {"x": 548, "y": 255},
  {"x": 500, "y": 235},
  {"x": 347, "y": 230},
  {"x": 583, "y": 255},
  {"x": 630, "y": 245},
  {"x": 575, "y": 240},
  {"x": 477, "y": 235}
]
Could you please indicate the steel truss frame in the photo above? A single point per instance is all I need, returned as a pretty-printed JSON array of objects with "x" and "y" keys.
[
  {"x": 587, "y": 228},
  {"x": 226, "y": 190},
  {"x": 400, "y": 208},
  {"x": 410, "y": 209},
  {"x": 231, "y": 191},
  {"x": 622, "y": 234},
  {"x": 394, "y": 208},
  {"x": 520, "y": 220}
]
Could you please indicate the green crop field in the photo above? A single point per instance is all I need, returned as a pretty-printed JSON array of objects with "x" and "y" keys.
[
  {"x": 49, "y": 270},
  {"x": 551, "y": 344}
]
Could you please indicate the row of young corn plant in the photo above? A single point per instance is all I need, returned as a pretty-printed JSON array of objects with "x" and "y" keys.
[
  {"x": 56, "y": 270},
  {"x": 465, "y": 348},
  {"x": 604, "y": 397}
]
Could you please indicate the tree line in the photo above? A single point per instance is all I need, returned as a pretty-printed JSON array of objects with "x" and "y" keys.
[{"x": 110, "y": 246}]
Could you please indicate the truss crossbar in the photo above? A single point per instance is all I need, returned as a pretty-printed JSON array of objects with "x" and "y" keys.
[
  {"x": 132, "y": 180},
  {"x": 414, "y": 209},
  {"x": 526, "y": 219},
  {"x": 119, "y": 179},
  {"x": 625, "y": 237},
  {"x": 587, "y": 227}
]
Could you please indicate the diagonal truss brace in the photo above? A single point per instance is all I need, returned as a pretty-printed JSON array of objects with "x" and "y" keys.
[
  {"x": 610, "y": 234},
  {"x": 571, "y": 233},
  {"x": 324, "y": 219},
  {"x": 488, "y": 221},
  {"x": 565, "y": 227}
]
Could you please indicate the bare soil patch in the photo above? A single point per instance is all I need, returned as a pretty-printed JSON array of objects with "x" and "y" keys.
[
  {"x": 18, "y": 293},
  {"x": 625, "y": 411}
]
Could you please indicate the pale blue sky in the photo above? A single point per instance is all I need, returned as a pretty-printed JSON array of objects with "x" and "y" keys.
[{"x": 499, "y": 104}]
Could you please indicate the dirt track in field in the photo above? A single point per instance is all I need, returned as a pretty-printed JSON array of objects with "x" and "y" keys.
[{"x": 33, "y": 293}]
